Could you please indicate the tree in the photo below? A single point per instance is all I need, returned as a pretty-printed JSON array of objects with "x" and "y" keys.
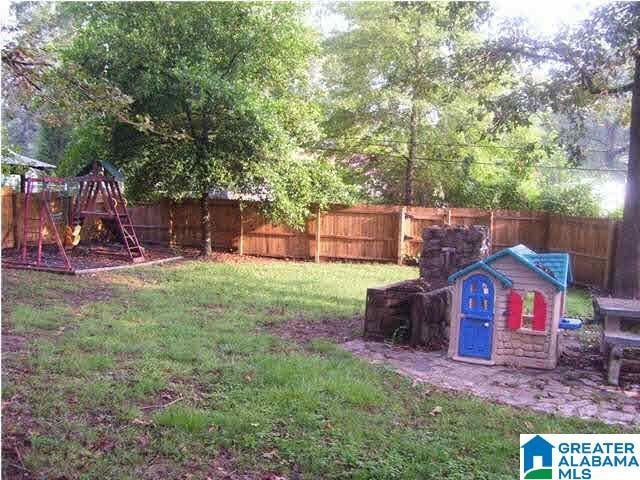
[
  {"x": 599, "y": 58},
  {"x": 403, "y": 93},
  {"x": 52, "y": 141},
  {"x": 195, "y": 95}
]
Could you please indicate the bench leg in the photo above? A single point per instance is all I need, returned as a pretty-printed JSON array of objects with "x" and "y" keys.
[{"x": 614, "y": 364}]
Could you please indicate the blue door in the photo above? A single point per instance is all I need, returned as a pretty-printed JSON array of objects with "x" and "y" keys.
[{"x": 476, "y": 319}]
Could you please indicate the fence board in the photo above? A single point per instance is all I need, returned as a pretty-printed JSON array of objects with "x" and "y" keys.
[
  {"x": 511, "y": 227},
  {"x": 151, "y": 222},
  {"x": 419, "y": 218},
  {"x": 8, "y": 213},
  {"x": 265, "y": 239},
  {"x": 587, "y": 241},
  {"x": 361, "y": 232}
]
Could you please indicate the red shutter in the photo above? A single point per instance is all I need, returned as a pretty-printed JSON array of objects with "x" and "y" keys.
[
  {"x": 539, "y": 312},
  {"x": 514, "y": 321}
]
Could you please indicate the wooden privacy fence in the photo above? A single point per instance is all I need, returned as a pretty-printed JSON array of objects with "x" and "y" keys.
[
  {"x": 385, "y": 233},
  {"x": 12, "y": 214}
]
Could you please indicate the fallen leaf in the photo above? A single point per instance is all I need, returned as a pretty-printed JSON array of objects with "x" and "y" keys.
[
  {"x": 139, "y": 421},
  {"x": 436, "y": 411},
  {"x": 271, "y": 454}
]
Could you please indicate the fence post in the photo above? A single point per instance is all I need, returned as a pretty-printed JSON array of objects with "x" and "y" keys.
[
  {"x": 611, "y": 252},
  {"x": 318, "y": 225},
  {"x": 18, "y": 212},
  {"x": 171, "y": 238},
  {"x": 446, "y": 217},
  {"x": 491, "y": 231},
  {"x": 241, "y": 239},
  {"x": 401, "y": 214},
  {"x": 547, "y": 231},
  {"x": 15, "y": 218}
]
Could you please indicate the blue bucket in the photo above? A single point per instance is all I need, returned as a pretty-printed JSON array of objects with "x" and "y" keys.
[{"x": 570, "y": 323}]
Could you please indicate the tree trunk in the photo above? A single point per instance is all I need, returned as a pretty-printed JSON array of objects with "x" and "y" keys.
[
  {"x": 205, "y": 225},
  {"x": 413, "y": 153},
  {"x": 627, "y": 274},
  {"x": 414, "y": 120}
]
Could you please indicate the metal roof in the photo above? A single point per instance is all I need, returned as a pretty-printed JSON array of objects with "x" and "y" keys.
[
  {"x": 16, "y": 159},
  {"x": 109, "y": 167}
]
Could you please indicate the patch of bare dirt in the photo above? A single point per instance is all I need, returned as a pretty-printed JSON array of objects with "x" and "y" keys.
[
  {"x": 302, "y": 330},
  {"x": 12, "y": 343},
  {"x": 87, "y": 256},
  {"x": 12, "y": 467},
  {"x": 226, "y": 257},
  {"x": 231, "y": 257},
  {"x": 222, "y": 467},
  {"x": 15, "y": 289},
  {"x": 16, "y": 421}
]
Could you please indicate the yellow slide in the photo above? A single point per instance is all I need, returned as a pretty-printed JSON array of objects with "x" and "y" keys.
[{"x": 72, "y": 236}]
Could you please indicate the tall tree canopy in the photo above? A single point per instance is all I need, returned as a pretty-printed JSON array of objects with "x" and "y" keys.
[
  {"x": 403, "y": 92},
  {"x": 599, "y": 58},
  {"x": 209, "y": 95}
]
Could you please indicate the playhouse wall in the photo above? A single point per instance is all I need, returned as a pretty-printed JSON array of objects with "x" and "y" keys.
[{"x": 526, "y": 348}]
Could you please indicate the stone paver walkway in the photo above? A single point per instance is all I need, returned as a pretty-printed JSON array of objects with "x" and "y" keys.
[{"x": 563, "y": 391}]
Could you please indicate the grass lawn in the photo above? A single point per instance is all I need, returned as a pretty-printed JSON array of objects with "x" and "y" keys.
[
  {"x": 579, "y": 304},
  {"x": 163, "y": 373}
]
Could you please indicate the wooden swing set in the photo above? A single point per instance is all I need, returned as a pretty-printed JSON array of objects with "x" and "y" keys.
[{"x": 90, "y": 187}]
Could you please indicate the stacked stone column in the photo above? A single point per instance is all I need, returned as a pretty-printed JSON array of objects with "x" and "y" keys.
[{"x": 447, "y": 249}]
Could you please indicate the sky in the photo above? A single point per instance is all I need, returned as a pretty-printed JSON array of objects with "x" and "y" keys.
[{"x": 544, "y": 16}]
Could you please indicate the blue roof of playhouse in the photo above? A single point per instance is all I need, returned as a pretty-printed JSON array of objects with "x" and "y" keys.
[
  {"x": 553, "y": 267},
  {"x": 506, "y": 281}
]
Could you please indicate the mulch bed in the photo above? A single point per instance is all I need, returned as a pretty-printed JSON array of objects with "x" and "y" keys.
[
  {"x": 302, "y": 330},
  {"x": 83, "y": 258}
]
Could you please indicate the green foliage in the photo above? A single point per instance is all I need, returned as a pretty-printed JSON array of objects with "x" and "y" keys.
[
  {"x": 579, "y": 304},
  {"x": 575, "y": 199},
  {"x": 220, "y": 98},
  {"x": 87, "y": 142},
  {"x": 405, "y": 70},
  {"x": 5, "y": 149},
  {"x": 52, "y": 141},
  {"x": 297, "y": 187}
]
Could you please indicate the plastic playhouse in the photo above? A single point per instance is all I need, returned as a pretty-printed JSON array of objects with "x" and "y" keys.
[{"x": 507, "y": 309}]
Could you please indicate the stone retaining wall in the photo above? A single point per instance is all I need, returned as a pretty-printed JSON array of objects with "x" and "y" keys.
[{"x": 447, "y": 249}]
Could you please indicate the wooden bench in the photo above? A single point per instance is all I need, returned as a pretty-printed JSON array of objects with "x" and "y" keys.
[{"x": 617, "y": 315}]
